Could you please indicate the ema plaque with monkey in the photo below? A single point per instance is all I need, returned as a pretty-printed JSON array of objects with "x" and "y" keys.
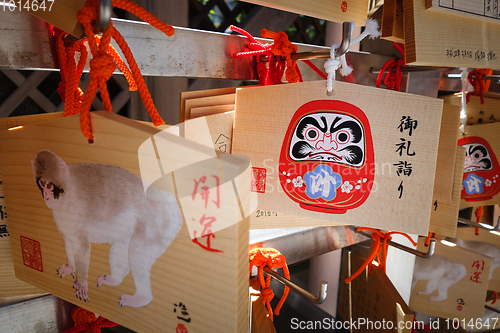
[{"x": 91, "y": 230}]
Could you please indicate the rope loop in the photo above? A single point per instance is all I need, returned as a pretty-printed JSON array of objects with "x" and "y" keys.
[
  {"x": 272, "y": 258},
  {"x": 380, "y": 247}
]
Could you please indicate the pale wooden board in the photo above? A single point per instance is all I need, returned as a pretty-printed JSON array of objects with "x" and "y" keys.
[
  {"x": 438, "y": 39},
  {"x": 185, "y": 114},
  {"x": 472, "y": 293},
  {"x": 62, "y": 14},
  {"x": 469, "y": 233},
  {"x": 184, "y": 273},
  {"x": 477, "y": 113},
  {"x": 209, "y": 110},
  {"x": 447, "y": 151},
  {"x": 392, "y": 21},
  {"x": 333, "y": 10},
  {"x": 491, "y": 133},
  {"x": 10, "y": 286},
  {"x": 371, "y": 296},
  {"x": 262, "y": 140},
  {"x": 444, "y": 213},
  {"x": 486, "y": 10},
  {"x": 227, "y": 99}
]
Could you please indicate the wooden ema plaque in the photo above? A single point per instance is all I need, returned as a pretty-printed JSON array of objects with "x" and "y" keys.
[
  {"x": 181, "y": 290},
  {"x": 481, "y": 182},
  {"x": 434, "y": 38},
  {"x": 450, "y": 284},
  {"x": 486, "y": 10},
  {"x": 371, "y": 298},
  {"x": 335, "y": 10},
  {"x": 486, "y": 243},
  {"x": 342, "y": 180}
]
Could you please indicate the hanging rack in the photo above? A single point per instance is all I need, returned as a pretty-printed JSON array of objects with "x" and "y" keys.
[
  {"x": 428, "y": 254},
  {"x": 343, "y": 48},
  {"x": 480, "y": 225},
  {"x": 323, "y": 288}
]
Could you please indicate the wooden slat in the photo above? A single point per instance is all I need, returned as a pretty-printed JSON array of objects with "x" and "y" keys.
[
  {"x": 437, "y": 39},
  {"x": 18, "y": 96},
  {"x": 334, "y": 10},
  {"x": 34, "y": 94}
]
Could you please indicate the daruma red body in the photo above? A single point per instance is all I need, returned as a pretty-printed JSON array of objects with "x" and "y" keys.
[
  {"x": 327, "y": 160},
  {"x": 481, "y": 170}
]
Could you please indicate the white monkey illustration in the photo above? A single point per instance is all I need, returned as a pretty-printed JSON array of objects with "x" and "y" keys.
[
  {"x": 441, "y": 274},
  {"x": 98, "y": 203},
  {"x": 483, "y": 248}
]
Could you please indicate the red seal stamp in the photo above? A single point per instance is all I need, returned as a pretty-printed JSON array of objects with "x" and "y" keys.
[
  {"x": 459, "y": 308},
  {"x": 344, "y": 6},
  {"x": 258, "y": 180},
  {"x": 181, "y": 329},
  {"x": 32, "y": 253}
]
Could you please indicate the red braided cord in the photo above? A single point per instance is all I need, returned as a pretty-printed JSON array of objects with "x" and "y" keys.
[
  {"x": 271, "y": 258},
  {"x": 139, "y": 80},
  {"x": 144, "y": 15}
]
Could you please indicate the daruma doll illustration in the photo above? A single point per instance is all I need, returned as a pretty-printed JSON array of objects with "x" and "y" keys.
[
  {"x": 327, "y": 162},
  {"x": 481, "y": 170}
]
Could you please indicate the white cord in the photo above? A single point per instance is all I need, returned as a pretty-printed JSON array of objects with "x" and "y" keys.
[{"x": 335, "y": 63}]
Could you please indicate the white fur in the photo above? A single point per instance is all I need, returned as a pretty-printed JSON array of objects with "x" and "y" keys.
[
  {"x": 441, "y": 274},
  {"x": 107, "y": 204}
]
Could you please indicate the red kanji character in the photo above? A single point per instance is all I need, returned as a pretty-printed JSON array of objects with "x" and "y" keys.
[
  {"x": 206, "y": 222},
  {"x": 478, "y": 264},
  {"x": 206, "y": 247},
  {"x": 476, "y": 277},
  {"x": 205, "y": 193}
]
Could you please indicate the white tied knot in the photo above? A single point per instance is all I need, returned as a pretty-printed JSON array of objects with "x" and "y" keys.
[{"x": 335, "y": 63}]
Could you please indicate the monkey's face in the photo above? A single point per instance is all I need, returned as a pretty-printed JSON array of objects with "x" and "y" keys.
[{"x": 49, "y": 171}]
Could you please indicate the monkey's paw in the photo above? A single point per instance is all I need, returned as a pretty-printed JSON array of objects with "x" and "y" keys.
[
  {"x": 105, "y": 279},
  {"x": 422, "y": 292},
  {"x": 81, "y": 291},
  {"x": 136, "y": 300},
  {"x": 437, "y": 298},
  {"x": 66, "y": 270}
]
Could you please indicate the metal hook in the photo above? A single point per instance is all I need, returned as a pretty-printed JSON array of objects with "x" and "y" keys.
[
  {"x": 428, "y": 254},
  {"x": 307, "y": 295},
  {"x": 103, "y": 16},
  {"x": 480, "y": 225}
]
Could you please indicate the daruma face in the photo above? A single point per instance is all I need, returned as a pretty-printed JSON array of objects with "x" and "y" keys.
[
  {"x": 481, "y": 170},
  {"x": 327, "y": 161}
]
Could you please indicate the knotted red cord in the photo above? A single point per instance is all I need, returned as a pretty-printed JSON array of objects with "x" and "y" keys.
[
  {"x": 271, "y": 258},
  {"x": 475, "y": 79},
  {"x": 273, "y": 72},
  {"x": 86, "y": 321},
  {"x": 103, "y": 64},
  {"x": 479, "y": 214},
  {"x": 282, "y": 47},
  {"x": 379, "y": 250},
  {"x": 393, "y": 77},
  {"x": 495, "y": 296}
]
